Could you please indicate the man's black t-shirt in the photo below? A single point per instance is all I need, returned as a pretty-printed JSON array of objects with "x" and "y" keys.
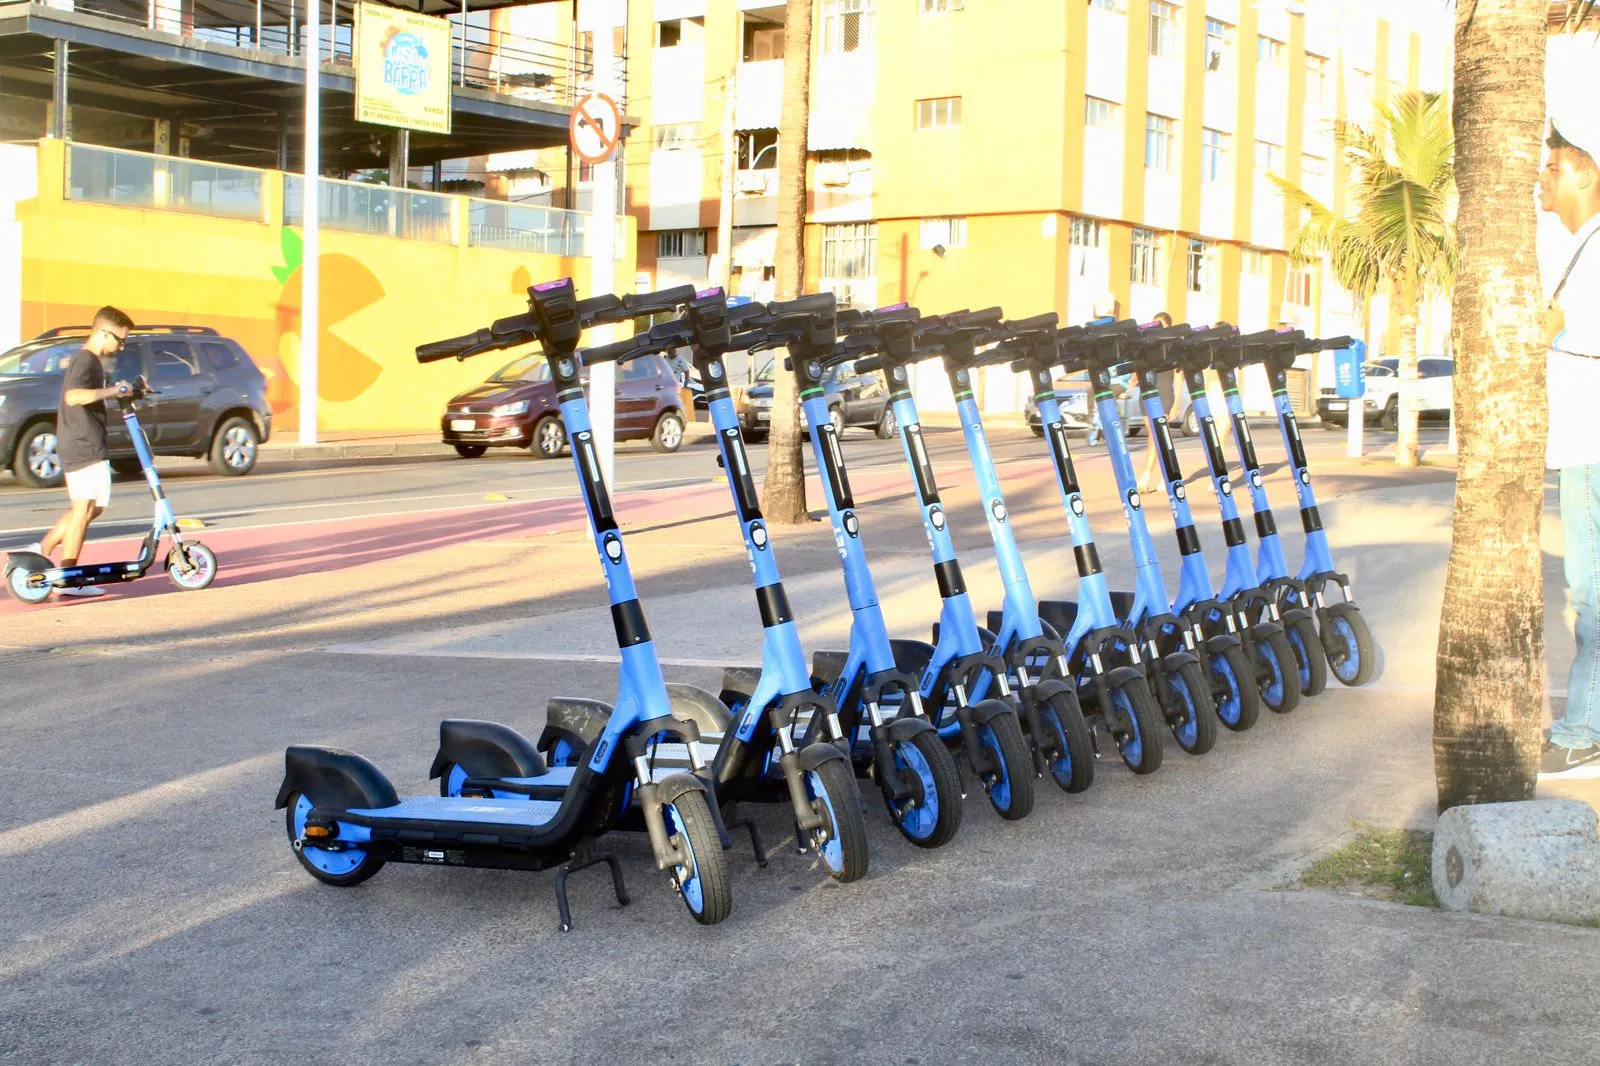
[{"x": 81, "y": 431}]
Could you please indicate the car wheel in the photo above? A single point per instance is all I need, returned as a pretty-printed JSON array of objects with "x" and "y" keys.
[
  {"x": 836, "y": 420},
  {"x": 549, "y": 437},
  {"x": 1191, "y": 423},
  {"x": 887, "y": 426},
  {"x": 668, "y": 435},
  {"x": 37, "y": 464},
  {"x": 471, "y": 451},
  {"x": 1390, "y": 419},
  {"x": 235, "y": 447}
]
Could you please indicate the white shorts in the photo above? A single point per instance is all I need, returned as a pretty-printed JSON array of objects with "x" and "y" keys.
[{"x": 92, "y": 482}]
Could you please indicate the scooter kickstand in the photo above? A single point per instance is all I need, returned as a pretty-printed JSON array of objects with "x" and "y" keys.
[
  {"x": 573, "y": 867},
  {"x": 755, "y": 839}
]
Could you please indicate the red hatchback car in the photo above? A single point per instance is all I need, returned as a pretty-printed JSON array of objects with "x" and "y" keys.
[{"x": 516, "y": 408}]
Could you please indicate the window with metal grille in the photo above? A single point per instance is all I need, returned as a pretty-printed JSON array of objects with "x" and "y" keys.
[
  {"x": 1201, "y": 275},
  {"x": 670, "y": 136},
  {"x": 846, "y": 25},
  {"x": 1269, "y": 51},
  {"x": 1219, "y": 38},
  {"x": 1085, "y": 232},
  {"x": 943, "y": 112},
  {"x": 680, "y": 244},
  {"x": 1159, "y": 133},
  {"x": 1145, "y": 268},
  {"x": 850, "y": 250},
  {"x": 949, "y": 232},
  {"x": 1163, "y": 29},
  {"x": 1213, "y": 152},
  {"x": 1099, "y": 114}
]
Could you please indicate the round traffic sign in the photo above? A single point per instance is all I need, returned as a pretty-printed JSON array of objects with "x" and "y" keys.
[{"x": 595, "y": 127}]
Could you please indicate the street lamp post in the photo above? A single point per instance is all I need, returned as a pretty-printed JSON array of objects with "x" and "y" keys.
[{"x": 308, "y": 217}]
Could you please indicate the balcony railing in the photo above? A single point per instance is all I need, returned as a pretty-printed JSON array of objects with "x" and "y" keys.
[
  {"x": 378, "y": 210},
  {"x": 134, "y": 179},
  {"x": 525, "y": 228}
]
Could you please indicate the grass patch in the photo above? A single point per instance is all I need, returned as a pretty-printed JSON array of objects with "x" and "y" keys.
[{"x": 1389, "y": 864}]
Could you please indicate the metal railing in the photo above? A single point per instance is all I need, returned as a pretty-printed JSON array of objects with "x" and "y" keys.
[
  {"x": 170, "y": 183},
  {"x": 378, "y": 210},
  {"x": 525, "y": 228}
]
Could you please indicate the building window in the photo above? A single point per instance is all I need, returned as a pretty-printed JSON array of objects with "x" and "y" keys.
[
  {"x": 671, "y": 136},
  {"x": 1269, "y": 51},
  {"x": 846, "y": 25},
  {"x": 1086, "y": 232},
  {"x": 1099, "y": 114},
  {"x": 1104, "y": 5},
  {"x": 1201, "y": 275},
  {"x": 1297, "y": 285},
  {"x": 939, "y": 114},
  {"x": 758, "y": 149},
  {"x": 949, "y": 232},
  {"x": 1158, "y": 138},
  {"x": 1316, "y": 80},
  {"x": 1268, "y": 155},
  {"x": 680, "y": 244},
  {"x": 1163, "y": 29},
  {"x": 939, "y": 7},
  {"x": 1145, "y": 269},
  {"x": 1213, "y": 147},
  {"x": 850, "y": 250},
  {"x": 1219, "y": 35},
  {"x": 763, "y": 40},
  {"x": 1254, "y": 262},
  {"x": 674, "y": 32}
]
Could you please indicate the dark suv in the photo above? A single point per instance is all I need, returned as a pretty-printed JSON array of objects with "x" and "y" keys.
[
  {"x": 853, "y": 400},
  {"x": 211, "y": 402},
  {"x": 516, "y": 408}
]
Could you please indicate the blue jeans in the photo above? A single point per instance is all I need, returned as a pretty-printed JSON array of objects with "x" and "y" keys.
[{"x": 1580, "y": 524}]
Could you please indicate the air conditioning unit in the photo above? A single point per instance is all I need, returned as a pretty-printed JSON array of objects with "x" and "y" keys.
[
  {"x": 833, "y": 174},
  {"x": 754, "y": 182}
]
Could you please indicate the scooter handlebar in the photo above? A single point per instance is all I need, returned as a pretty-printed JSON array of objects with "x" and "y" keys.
[
  {"x": 455, "y": 347},
  {"x": 1048, "y": 320},
  {"x": 642, "y": 304},
  {"x": 817, "y": 303},
  {"x": 1326, "y": 344}
]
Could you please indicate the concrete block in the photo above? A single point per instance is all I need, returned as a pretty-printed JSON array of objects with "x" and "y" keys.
[{"x": 1533, "y": 859}]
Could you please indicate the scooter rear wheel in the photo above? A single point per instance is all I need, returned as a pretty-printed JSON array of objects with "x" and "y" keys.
[
  {"x": 343, "y": 868},
  {"x": 703, "y": 881},
  {"x": 1280, "y": 687},
  {"x": 20, "y": 583},
  {"x": 1308, "y": 653},
  {"x": 1011, "y": 793},
  {"x": 1238, "y": 701},
  {"x": 1356, "y": 655},
  {"x": 201, "y": 568},
  {"x": 1197, "y": 733},
  {"x": 1073, "y": 768},
  {"x": 934, "y": 820},
  {"x": 833, "y": 792},
  {"x": 1141, "y": 749}
]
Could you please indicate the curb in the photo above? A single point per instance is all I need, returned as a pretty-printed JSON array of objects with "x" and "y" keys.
[{"x": 354, "y": 450}]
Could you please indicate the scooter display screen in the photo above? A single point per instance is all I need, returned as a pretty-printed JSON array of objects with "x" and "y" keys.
[
  {"x": 921, "y": 468},
  {"x": 594, "y": 485},
  {"x": 833, "y": 468},
  {"x": 1063, "y": 458}
]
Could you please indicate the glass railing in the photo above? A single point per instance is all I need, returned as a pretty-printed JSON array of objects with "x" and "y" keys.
[
  {"x": 169, "y": 183},
  {"x": 525, "y": 228},
  {"x": 379, "y": 210}
]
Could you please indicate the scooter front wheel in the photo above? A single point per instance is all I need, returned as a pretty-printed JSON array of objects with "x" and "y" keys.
[
  {"x": 1141, "y": 745},
  {"x": 1280, "y": 676},
  {"x": 1073, "y": 765},
  {"x": 1238, "y": 701},
  {"x": 703, "y": 880},
  {"x": 26, "y": 585},
  {"x": 833, "y": 792},
  {"x": 343, "y": 868},
  {"x": 1355, "y": 656},
  {"x": 1196, "y": 730},
  {"x": 1309, "y": 656},
  {"x": 192, "y": 566},
  {"x": 932, "y": 819},
  {"x": 1011, "y": 791}
]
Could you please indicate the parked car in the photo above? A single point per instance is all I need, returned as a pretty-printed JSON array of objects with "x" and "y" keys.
[
  {"x": 853, "y": 400},
  {"x": 516, "y": 408},
  {"x": 1380, "y": 401},
  {"x": 211, "y": 400},
  {"x": 1072, "y": 393}
]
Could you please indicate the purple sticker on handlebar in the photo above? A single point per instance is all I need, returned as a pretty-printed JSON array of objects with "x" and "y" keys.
[
  {"x": 901, "y": 306},
  {"x": 703, "y": 293},
  {"x": 546, "y": 286}
]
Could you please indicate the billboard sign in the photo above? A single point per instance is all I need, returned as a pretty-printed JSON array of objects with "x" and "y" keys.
[{"x": 402, "y": 62}]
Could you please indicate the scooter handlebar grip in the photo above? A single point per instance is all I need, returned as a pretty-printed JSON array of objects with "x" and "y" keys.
[
  {"x": 454, "y": 347},
  {"x": 620, "y": 351},
  {"x": 817, "y": 303},
  {"x": 1048, "y": 320},
  {"x": 1332, "y": 344},
  {"x": 869, "y": 365},
  {"x": 988, "y": 316},
  {"x": 1266, "y": 336},
  {"x": 640, "y": 304}
]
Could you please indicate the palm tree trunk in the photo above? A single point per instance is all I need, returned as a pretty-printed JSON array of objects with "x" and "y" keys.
[
  {"x": 1405, "y": 449},
  {"x": 1491, "y": 670},
  {"x": 785, "y": 502}
]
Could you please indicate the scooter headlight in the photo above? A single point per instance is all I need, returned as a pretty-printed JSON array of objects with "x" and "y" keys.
[{"x": 506, "y": 410}]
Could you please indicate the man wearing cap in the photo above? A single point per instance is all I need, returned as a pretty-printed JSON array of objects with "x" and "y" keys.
[{"x": 1569, "y": 186}]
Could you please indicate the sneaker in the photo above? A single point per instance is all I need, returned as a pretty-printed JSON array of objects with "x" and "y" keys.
[
  {"x": 82, "y": 590},
  {"x": 1571, "y": 763},
  {"x": 35, "y": 547}
]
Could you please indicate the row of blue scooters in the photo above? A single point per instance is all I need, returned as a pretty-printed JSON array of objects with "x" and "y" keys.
[{"x": 1039, "y": 687}]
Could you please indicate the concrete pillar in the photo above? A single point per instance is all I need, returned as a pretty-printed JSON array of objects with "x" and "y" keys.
[
  {"x": 60, "y": 127},
  {"x": 283, "y": 143},
  {"x": 399, "y": 157}
]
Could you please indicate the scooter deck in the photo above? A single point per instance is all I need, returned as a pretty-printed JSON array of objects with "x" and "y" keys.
[{"x": 414, "y": 809}]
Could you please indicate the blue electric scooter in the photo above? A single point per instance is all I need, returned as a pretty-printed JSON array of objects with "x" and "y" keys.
[
  {"x": 344, "y": 818},
  {"x": 1197, "y": 601},
  {"x": 1253, "y": 595},
  {"x": 1096, "y": 349},
  {"x": 31, "y": 577},
  {"x": 1096, "y": 640},
  {"x": 1346, "y": 639}
]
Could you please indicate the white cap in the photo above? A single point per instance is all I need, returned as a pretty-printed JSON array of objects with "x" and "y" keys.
[{"x": 1578, "y": 127}]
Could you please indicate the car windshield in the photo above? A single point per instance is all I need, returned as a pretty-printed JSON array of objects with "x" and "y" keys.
[
  {"x": 532, "y": 367},
  {"x": 765, "y": 373},
  {"x": 39, "y": 359}
]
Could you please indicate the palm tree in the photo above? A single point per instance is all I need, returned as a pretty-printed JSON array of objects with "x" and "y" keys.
[
  {"x": 1490, "y": 666},
  {"x": 1401, "y": 233},
  {"x": 785, "y": 501}
]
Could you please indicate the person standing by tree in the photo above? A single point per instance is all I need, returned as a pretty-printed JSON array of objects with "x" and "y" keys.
[{"x": 1569, "y": 186}]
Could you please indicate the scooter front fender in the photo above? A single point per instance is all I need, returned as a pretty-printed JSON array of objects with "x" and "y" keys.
[
  {"x": 1221, "y": 642},
  {"x": 31, "y": 561},
  {"x": 814, "y": 755}
]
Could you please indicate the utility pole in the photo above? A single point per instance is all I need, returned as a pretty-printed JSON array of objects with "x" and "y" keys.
[
  {"x": 309, "y": 316},
  {"x": 723, "y": 274}
]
